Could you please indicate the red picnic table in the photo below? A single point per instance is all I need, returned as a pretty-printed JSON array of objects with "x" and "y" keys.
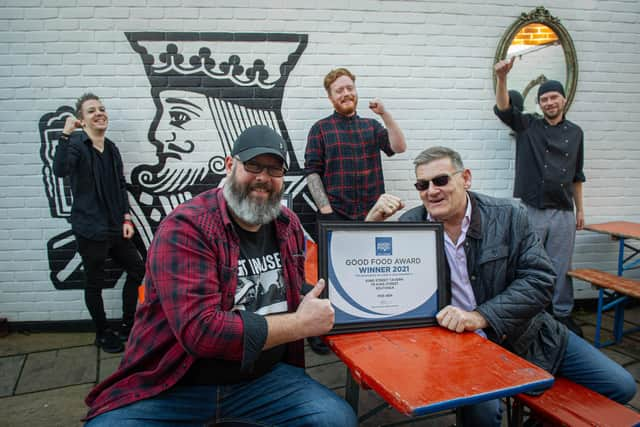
[{"x": 420, "y": 371}]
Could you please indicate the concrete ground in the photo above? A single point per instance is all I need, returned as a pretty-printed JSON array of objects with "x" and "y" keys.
[{"x": 44, "y": 377}]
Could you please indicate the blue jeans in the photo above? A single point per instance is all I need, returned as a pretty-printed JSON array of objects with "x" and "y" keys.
[
  {"x": 284, "y": 396},
  {"x": 583, "y": 364}
]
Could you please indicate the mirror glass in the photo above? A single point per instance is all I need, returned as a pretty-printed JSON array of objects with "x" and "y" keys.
[
  {"x": 539, "y": 57},
  {"x": 544, "y": 51}
]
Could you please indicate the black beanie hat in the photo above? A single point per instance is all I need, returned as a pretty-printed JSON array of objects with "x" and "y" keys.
[{"x": 550, "y": 86}]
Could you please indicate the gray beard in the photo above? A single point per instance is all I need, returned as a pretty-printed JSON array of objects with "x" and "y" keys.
[{"x": 247, "y": 209}]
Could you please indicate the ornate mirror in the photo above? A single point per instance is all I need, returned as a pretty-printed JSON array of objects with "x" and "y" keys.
[{"x": 544, "y": 51}]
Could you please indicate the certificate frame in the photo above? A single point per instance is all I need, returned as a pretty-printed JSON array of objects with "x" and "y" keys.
[{"x": 346, "y": 250}]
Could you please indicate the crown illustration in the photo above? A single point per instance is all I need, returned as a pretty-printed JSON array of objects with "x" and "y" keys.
[{"x": 226, "y": 65}]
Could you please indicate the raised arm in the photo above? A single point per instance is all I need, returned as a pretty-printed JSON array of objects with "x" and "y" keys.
[
  {"x": 502, "y": 68},
  {"x": 396, "y": 137},
  {"x": 66, "y": 156}
]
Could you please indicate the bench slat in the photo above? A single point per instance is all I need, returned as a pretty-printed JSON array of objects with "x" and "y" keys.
[
  {"x": 569, "y": 404},
  {"x": 622, "y": 285}
]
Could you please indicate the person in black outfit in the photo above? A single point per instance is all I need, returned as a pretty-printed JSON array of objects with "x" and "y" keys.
[
  {"x": 100, "y": 217},
  {"x": 549, "y": 178}
]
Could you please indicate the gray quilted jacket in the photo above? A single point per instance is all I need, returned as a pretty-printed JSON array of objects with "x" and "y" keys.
[{"x": 512, "y": 279}]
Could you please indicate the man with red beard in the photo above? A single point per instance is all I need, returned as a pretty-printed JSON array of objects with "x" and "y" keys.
[
  {"x": 204, "y": 349},
  {"x": 548, "y": 178},
  {"x": 342, "y": 157}
]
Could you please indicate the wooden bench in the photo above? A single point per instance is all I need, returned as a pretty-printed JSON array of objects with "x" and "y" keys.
[
  {"x": 618, "y": 289},
  {"x": 569, "y": 404}
]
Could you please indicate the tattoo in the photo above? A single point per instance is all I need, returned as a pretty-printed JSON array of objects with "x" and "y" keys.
[{"x": 314, "y": 182}]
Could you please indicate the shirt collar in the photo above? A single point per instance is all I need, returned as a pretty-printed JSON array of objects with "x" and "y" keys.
[{"x": 339, "y": 116}]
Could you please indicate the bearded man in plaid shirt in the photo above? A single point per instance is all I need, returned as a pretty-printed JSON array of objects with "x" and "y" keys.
[
  {"x": 342, "y": 157},
  {"x": 219, "y": 337}
]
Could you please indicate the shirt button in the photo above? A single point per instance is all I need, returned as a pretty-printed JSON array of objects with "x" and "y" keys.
[
  {"x": 566, "y": 141},
  {"x": 566, "y": 154},
  {"x": 545, "y": 166}
]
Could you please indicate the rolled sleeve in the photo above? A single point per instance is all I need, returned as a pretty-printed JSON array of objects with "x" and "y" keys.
[
  {"x": 255, "y": 335},
  {"x": 382, "y": 138}
]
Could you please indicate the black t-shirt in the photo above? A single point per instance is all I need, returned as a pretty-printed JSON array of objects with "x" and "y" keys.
[
  {"x": 261, "y": 289},
  {"x": 108, "y": 187}
]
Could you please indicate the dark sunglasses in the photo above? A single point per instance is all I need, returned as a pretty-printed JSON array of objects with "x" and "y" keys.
[
  {"x": 438, "y": 181},
  {"x": 252, "y": 166}
]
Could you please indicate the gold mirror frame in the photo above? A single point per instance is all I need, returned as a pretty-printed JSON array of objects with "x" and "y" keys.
[{"x": 540, "y": 15}]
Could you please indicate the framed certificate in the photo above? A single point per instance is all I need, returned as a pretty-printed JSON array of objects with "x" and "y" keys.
[{"x": 383, "y": 275}]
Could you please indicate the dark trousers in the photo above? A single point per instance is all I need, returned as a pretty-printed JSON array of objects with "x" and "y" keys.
[{"x": 94, "y": 253}]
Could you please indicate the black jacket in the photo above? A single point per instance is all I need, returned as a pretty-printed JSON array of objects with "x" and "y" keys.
[
  {"x": 512, "y": 279},
  {"x": 73, "y": 159}
]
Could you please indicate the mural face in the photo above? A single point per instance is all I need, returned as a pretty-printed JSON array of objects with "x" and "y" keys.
[{"x": 207, "y": 88}]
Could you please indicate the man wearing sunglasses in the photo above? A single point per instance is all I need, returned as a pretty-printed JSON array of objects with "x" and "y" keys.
[
  {"x": 548, "y": 178},
  {"x": 342, "y": 157},
  {"x": 220, "y": 334},
  {"x": 501, "y": 280}
]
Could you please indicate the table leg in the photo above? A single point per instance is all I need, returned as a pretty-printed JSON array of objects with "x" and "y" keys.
[
  {"x": 618, "y": 320},
  {"x": 352, "y": 392},
  {"x": 620, "y": 256},
  {"x": 596, "y": 340}
]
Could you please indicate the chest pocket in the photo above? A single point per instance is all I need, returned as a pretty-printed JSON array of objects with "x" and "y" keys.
[{"x": 493, "y": 267}]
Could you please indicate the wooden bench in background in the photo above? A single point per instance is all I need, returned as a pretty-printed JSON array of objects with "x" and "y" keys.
[
  {"x": 569, "y": 404},
  {"x": 618, "y": 289}
]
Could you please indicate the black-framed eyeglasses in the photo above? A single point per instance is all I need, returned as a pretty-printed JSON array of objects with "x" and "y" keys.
[
  {"x": 254, "y": 167},
  {"x": 438, "y": 181}
]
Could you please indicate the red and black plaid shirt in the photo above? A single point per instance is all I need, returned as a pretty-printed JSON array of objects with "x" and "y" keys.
[
  {"x": 191, "y": 278},
  {"x": 345, "y": 152}
]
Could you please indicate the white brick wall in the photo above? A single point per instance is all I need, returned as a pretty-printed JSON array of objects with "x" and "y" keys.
[{"x": 429, "y": 61}]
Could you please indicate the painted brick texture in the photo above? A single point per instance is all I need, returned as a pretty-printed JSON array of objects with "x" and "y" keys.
[{"x": 430, "y": 62}]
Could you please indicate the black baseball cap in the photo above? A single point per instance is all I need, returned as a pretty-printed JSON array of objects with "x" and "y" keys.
[{"x": 258, "y": 140}]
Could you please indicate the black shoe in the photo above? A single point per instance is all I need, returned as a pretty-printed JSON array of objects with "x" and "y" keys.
[
  {"x": 318, "y": 346},
  {"x": 571, "y": 324},
  {"x": 108, "y": 341},
  {"x": 123, "y": 332}
]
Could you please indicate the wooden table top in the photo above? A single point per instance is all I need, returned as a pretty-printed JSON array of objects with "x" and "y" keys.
[
  {"x": 624, "y": 229},
  {"x": 430, "y": 369}
]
